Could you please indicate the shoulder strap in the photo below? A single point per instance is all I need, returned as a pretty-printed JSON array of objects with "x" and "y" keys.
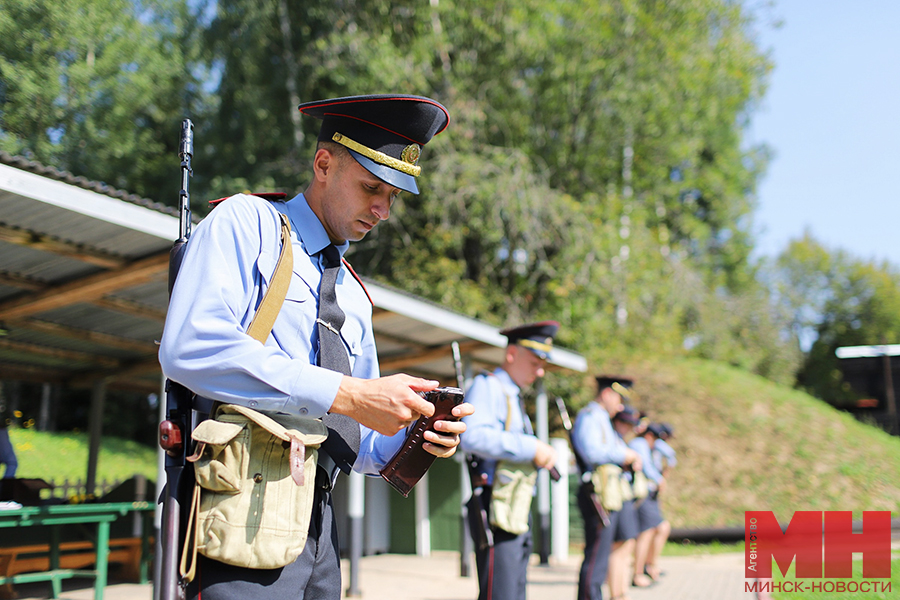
[
  {"x": 358, "y": 280},
  {"x": 268, "y": 310}
]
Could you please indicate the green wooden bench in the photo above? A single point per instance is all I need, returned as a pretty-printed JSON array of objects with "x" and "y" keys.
[{"x": 58, "y": 560}]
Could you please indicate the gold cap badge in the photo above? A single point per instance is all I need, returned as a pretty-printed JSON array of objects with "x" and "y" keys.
[{"x": 411, "y": 154}]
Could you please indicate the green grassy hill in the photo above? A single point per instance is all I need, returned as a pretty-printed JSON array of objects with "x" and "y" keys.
[
  {"x": 745, "y": 443},
  {"x": 55, "y": 457}
]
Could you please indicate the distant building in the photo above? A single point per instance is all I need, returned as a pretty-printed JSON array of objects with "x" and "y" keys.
[{"x": 873, "y": 372}]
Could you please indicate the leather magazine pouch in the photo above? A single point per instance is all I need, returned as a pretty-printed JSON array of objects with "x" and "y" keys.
[{"x": 411, "y": 462}]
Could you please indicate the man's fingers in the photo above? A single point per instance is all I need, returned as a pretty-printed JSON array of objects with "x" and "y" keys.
[
  {"x": 419, "y": 405},
  {"x": 455, "y": 427},
  {"x": 439, "y": 451},
  {"x": 443, "y": 440},
  {"x": 463, "y": 410},
  {"x": 421, "y": 385}
]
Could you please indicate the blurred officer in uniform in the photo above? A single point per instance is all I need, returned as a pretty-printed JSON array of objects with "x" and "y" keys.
[
  {"x": 650, "y": 521},
  {"x": 625, "y": 422},
  {"x": 664, "y": 460},
  {"x": 320, "y": 359},
  {"x": 499, "y": 430},
  {"x": 663, "y": 454},
  {"x": 596, "y": 444},
  {"x": 7, "y": 452}
]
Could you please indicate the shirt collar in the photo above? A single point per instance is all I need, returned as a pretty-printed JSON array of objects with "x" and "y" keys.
[
  {"x": 506, "y": 380},
  {"x": 312, "y": 234}
]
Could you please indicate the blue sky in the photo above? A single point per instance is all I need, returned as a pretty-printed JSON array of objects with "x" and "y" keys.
[{"x": 832, "y": 117}]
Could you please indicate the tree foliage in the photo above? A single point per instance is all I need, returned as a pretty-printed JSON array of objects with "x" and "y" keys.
[
  {"x": 836, "y": 300},
  {"x": 594, "y": 170},
  {"x": 97, "y": 88}
]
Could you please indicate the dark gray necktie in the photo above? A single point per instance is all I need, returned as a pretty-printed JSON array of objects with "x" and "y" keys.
[{"x": 342, "y": 444}]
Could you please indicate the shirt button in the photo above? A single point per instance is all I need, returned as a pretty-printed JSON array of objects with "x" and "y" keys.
[
  {"x": 304, "y": 411},
  {"x": 253, "y": 403}
]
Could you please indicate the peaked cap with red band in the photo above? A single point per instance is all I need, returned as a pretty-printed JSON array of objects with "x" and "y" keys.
[
  {"x": 537, "y": 337},
  {"x": 384, "y": 133}
]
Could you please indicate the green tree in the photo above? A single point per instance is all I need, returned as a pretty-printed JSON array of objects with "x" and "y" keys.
[
  {"x": 97, "y": 88},
  {"x": 837, "y": 300}
]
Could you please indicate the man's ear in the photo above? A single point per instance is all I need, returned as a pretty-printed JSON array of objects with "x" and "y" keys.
[
  {"x": 511, "y": 351},
  {"x": 324, "y": 162}
]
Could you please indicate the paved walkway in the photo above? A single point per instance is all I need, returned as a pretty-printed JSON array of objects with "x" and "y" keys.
[{"x": 404, "y": 577}]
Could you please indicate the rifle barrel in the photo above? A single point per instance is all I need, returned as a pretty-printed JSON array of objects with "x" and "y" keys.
[{"x": 185, "y": 152}]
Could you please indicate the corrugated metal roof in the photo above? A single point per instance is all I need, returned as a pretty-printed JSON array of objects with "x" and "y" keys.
[{"x": 83, "y": 290}]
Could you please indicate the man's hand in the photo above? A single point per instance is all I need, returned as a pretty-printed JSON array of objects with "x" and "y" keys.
[
  {"x": 634, "y": 459},
  {"x": 387, "y": 404},
  {"x": 544, "y": 455},
  {"x": 443, "y": 444}
]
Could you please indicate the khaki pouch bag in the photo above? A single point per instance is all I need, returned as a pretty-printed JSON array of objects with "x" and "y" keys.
[
  {"x": 255, "y": 483},
  {"x": 511, "y": 496},
  {"x": 607, "y": 480},
  {"x": 640, "y": 486}
]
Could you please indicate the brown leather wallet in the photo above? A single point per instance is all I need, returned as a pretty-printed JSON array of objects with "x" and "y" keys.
[{"x": 406, "y": 468}]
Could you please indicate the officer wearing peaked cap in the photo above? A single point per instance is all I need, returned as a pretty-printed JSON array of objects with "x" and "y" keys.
[
  {"x": 504, "y": 453},
  {"x": 319, "y": 361},
  {"x": 602, "y": 453}
]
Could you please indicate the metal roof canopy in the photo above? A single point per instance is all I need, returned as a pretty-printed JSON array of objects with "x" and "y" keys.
[
  {"x": 867, "y": 351},
  {"x": 83, "y": 295}
]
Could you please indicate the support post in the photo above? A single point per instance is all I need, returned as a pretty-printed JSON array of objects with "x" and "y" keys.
[
  {"x": 889, "y": 394},
  {"x": 356, "y": 512},
  {"x": 423, "y": 518},
  {"x": 98, "y": 399},
  {"x": 560, "y": 503},
  {"x": 543, "y": 427}
]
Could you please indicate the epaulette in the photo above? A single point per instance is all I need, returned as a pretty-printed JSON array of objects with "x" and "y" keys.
[
  {"x": 358, "y": 279},
  {"x": 270, "y": 196}
]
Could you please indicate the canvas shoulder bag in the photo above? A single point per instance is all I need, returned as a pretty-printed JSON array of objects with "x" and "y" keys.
[{"x": 607, "y": 482}]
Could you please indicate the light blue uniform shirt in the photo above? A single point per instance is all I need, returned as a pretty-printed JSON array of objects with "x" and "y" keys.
[
  {"x": 487, "y": 435},
  {"x": 594, "y": 438},
  {"x": 228, "y": 264},
  {"x": 662, "y": 450},
  {"x": 640, "y": 445}
]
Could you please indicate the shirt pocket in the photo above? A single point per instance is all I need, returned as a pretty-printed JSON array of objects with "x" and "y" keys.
[{"x": 352, "y": 333}]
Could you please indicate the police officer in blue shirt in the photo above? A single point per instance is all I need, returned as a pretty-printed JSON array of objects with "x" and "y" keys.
[
  {"x": 663, "y": 454},
  {"x": 500, "y": 430},
  {"x": 367, "y": 152},
  {"x": 596, "y": 443},
  {"x": 663, "y": 457},
  {"x": 648, "y": 514}
]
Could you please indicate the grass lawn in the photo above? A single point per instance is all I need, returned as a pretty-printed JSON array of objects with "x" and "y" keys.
[{"x": 57, "y": 457}]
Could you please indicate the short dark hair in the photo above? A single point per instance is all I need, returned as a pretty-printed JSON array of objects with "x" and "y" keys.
[{"x": 339, "y": 151}]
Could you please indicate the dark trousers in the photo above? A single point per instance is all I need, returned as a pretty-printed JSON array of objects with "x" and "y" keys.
[
  {"x": 315, "y": 575},
  {"x": 597, "y": 548},
  {"x": 7, "y": 454},
  {"x": 502, "y": 568}
]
